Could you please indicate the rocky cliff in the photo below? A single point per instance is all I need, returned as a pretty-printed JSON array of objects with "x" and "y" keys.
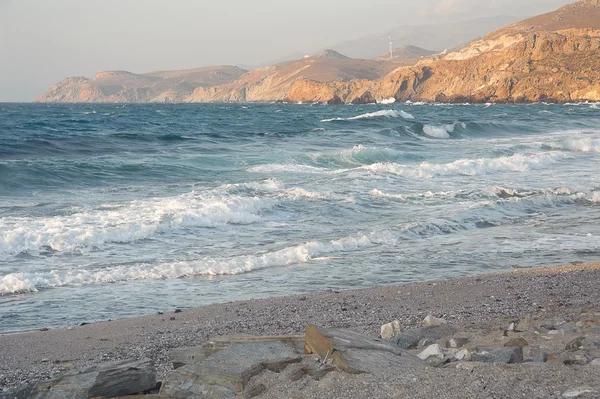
[
  {"x": 551, "y": 57},
  {"x": 122, "y": 86}
]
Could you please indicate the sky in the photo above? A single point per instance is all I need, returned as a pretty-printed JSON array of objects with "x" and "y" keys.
[{"x": 45, "y": 41}]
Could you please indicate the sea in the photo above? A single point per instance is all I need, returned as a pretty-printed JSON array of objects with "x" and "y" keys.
[{"x": 118, "y": 210}]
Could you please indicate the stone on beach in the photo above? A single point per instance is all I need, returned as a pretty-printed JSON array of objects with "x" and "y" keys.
[
  {"x": 431, "y": 321},
  {"x": 457, "y": 343},
  {"x": 510, "y": 355},
  {"x": 355, "y": 353},
  {"x": 433, "y": 350},
  {"x": 390, "y": 330},
  {"x": 525, "y": 324},
  {"x": 110, "y": 380},
  {"x": 410, "y": 339},
  {"x": 230, "y": 369},
  {"x": 516, "y": 342}
]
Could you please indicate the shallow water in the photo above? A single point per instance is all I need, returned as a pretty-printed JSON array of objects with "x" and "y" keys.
[{"x": 110, "y": 211}]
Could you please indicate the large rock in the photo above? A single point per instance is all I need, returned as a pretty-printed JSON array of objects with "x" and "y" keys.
[
  {"x": 190, "y": 355},
  {"x": 508, "y": 355},
  {"x": 390, "y": 330},
  {"x": 432, "y": 351},
  {"x": 410, "y": 339},
  {"x": 431, "y": 321},
  {"x": 110, "y": 380},
  {"x": 355, "y": 353},
  {"x": 525, "y": 324},
  {"x": 229, "y": 370}
]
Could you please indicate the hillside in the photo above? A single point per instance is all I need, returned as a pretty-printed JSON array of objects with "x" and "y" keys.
[
  {"x": 551, "y": 57},
  {"x": 274, "y": 83},
  {"x": 406, "y": 53},
  {"x": 123, "y": 86}
]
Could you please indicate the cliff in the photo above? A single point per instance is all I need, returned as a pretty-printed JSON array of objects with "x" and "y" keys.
[
  {"x": 552, "y": 57},
  {"x": 122, "y": 86}
]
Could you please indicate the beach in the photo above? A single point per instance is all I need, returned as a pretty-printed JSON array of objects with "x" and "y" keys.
[{"x": 483, "y": 305}]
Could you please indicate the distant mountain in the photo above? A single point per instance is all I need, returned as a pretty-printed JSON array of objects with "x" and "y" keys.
[
  {"x": 407, "y": 53},
  {"x": 554, "y": 57},
  {"x": 123, "y": 86},
  {"x": 436, "y": 37}
]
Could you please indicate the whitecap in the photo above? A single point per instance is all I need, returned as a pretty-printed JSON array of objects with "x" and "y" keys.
[{"x": 390, "y": 113}]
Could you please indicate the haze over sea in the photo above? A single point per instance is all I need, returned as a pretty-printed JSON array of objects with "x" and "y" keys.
[{"x": 110, "y": 211}]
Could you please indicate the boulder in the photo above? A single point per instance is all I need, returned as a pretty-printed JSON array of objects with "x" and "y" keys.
[
  {"x": 595, "y": 362},
  {"x": 365, "y": 98},
  {"x": 432, "y": 351},
  {"x": 184, "y": 356},
  {"x": 390, "y": 330},
  {"x": 431, "y": 321},
  {"x": 110, "y": 380},
  {"x": 513, "y": 354},
  {"x": 464, "y": 354},
  {"x": 410, "y": 339},
  {"x": 228, "y": 371},
  {"x": 355, "y": 353},
  {"x": 575, "y": 344},
  {"x": 577, "y": 392},
  {"x": 457, "y": 343}
]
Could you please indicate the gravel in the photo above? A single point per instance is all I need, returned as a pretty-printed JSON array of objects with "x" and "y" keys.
[{"x": 483, "y": 302}]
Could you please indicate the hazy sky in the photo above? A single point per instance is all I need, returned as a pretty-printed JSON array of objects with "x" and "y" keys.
[{"x": 44, "y": 41}]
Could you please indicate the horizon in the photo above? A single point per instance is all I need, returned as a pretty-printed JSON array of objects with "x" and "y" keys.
[{"x": 47, "y": 43}]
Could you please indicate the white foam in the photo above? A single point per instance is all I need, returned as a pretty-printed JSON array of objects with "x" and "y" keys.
[
  {"x": 285, "y": 168},
  {"x": 390, "y": 113},
  {"x": 427, "y": 194},
  {"x": 130, "y": 222},
  {"x": 440, "y": 132},
  {"x": 388, "y": 101},
  {"x": 596, "y": 197},
  {"x": 577, "y": 145},
  {"x": 22, "y": 282},
  {"x": 299, "y": 193},
  {"x": 468, "y": 167}
]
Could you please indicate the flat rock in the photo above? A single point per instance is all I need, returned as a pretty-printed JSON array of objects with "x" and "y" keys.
[
  {"x": 355, "y": 353},
  {"x": 516, "y": 342},
  {"x": 410, "y": 339},
  {"x": 110, "y": 380},
  {"x": 190, "y": 355},
  {"x": 431, "y": 321},
  {"x": 390, "y": 330},
  {"x": 229, "y": 370},
  {"x": 513, "y": 354}
]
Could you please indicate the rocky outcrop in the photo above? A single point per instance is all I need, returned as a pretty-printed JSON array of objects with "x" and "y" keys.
[{"x": 123, "y": 86}]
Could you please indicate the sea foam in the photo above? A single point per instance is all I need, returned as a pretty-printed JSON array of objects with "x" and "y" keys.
[{"x": 378, "y": 114}]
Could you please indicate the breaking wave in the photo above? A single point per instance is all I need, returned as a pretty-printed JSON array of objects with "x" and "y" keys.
[
  {"x": 378, "y": 114},
  {"x": 576, "y": 145}
]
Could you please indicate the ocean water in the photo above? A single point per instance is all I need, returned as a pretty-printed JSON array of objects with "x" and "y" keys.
[{"x": 110, "y": 211}]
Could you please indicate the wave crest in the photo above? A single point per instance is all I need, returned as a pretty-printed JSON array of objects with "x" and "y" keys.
[{"x": 390, "y": 113}]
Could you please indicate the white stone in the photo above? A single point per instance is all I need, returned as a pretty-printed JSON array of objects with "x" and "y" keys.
[
  {"x": 463, "y": 355},
  {"x": 511, "y": 327},
  {"x": 577, "y": 392},
  {"x": 431, "y": 321},
  {"x": 595, "y": 362},
  {"x": 390, "y": 330},
  {"x": 432, "y": 350}
]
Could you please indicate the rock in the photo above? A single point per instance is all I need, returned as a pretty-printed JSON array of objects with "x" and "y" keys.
[
  {"x": 113, "y": 379},
  {"x": 433, "y": 350},
  {"x": 464, "y": 354},
  {"x": 230, "y": 369},
  {"x": 569, "y": 328},
  {"x": 21, "y": 392},
  {"x": 410, "y": 339},
  {"x": 335, "y": 100},
  {"x": 355, "y": 353},
  {"x": 424, "y": 343},
  {"x": 511, "y": 327},
  {"x": 540, "y": 357},
  {"x": 575, "y": 344},
  {"x": 525, "y": 324},
  {"x": 575, "y": 359},
  {"x": 516, "y": 342},
  {"x": 596, "y": 330},
  {"x": 254, "y": 390},
  {"x": 365, "y": 98},
  {"x": 577, "y": 392},
  {"x": 595, "y": 362},
  {"x": 390, "y": 330},
  {"x": 457, "y": 343},
  {"x": 510, "y": 355},
  {"x": 591, "y": 343},
  {"x": 431, "y": 321},
  {"x": 183, "y": 356}
]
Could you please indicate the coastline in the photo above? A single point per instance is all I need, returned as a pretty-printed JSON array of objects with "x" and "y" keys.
[{"x": 489, "y": 301}]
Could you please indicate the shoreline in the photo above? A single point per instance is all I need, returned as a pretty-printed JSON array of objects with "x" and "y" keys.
[{"x": 487, "y": 301}]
